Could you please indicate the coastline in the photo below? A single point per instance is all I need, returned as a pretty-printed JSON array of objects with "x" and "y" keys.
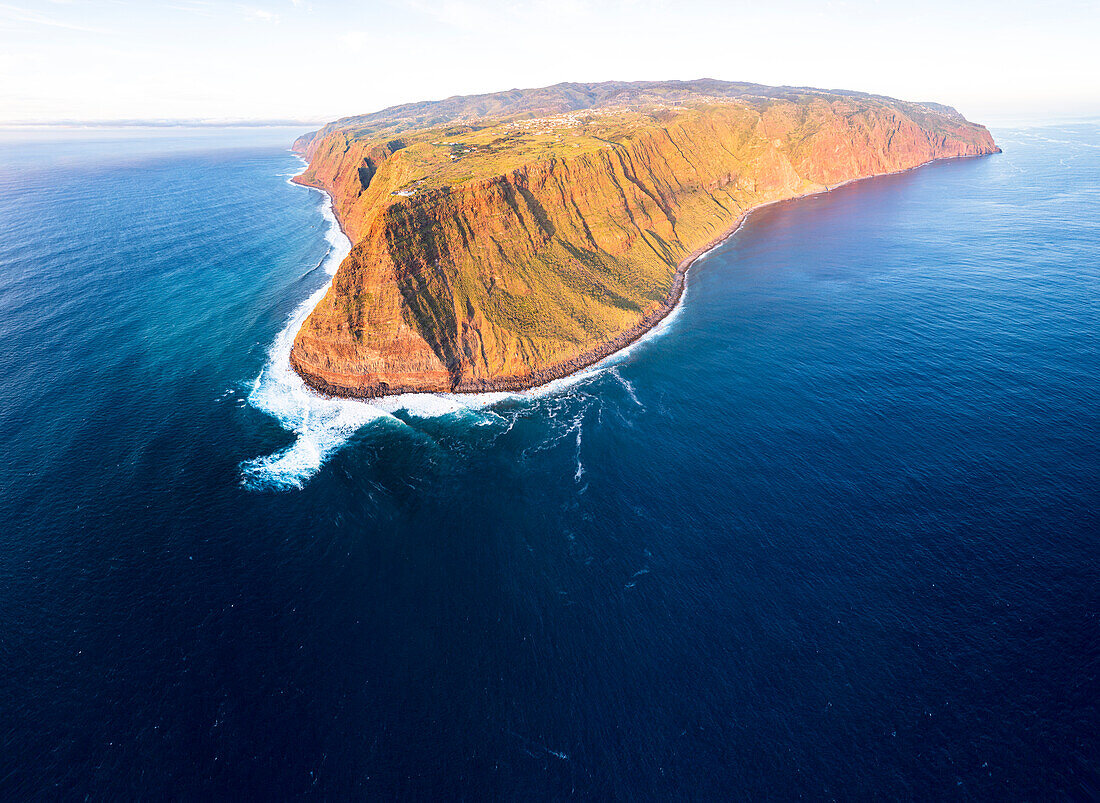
[
  {"x": 321, "y": 425},
  {"x": 331, "y": 200},
  {"x": 551, "y": 373}
]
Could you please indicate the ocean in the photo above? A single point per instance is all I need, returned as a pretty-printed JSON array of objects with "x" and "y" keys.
[{"x": 831, "y": 532}]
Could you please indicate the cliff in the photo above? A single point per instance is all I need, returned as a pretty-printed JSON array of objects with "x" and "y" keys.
[{"x": 502, "y": 241}]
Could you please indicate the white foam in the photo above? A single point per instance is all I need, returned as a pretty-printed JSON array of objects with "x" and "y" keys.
[
  {"x": 580, "y": 466},
  {"x": 627, "y": 385}
]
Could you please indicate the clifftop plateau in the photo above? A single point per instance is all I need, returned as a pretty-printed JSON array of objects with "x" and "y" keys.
[{"x": 504, "y": 240}]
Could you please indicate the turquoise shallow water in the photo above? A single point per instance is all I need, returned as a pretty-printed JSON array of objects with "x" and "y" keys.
[{"x": 832, "y": 532}]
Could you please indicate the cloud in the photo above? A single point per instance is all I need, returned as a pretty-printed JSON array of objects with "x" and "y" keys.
[
  {"x": 354, "y": 41},
  {"x": 205, "y": 8},
  {"x": 263, "y": 15},
  {"x": 18, "y": 14},
  {"x": 201, "y": 9}
]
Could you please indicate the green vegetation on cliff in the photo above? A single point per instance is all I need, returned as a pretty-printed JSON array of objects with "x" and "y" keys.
[{"x": 504, "y": 240}]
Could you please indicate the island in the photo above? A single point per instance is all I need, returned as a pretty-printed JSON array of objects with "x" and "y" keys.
[{"x": 505, "y": 240}]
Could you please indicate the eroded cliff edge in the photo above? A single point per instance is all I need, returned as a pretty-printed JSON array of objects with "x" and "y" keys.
[{"x": 502, "y": 241}]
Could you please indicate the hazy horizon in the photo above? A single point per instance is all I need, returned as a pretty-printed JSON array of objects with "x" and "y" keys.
[
  {"x": 1007, "y": 119},
  {"x": 302, "y": 62}
]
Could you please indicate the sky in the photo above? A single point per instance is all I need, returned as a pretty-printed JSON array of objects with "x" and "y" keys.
[{"x": 312, "y": 60}]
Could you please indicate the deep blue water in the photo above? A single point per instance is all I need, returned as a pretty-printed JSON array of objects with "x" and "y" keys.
[{"x": 834, "y": 533}]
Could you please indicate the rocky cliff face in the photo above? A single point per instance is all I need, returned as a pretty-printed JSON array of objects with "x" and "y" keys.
[{"x": 502, "y": 253}]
